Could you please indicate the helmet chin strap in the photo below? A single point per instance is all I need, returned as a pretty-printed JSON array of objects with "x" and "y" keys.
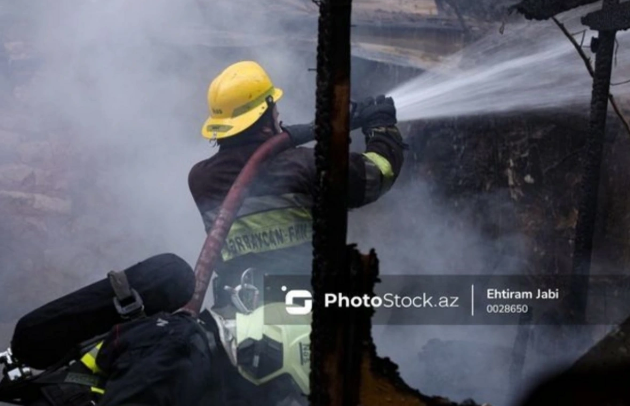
[{"x": 277, "y": 126}]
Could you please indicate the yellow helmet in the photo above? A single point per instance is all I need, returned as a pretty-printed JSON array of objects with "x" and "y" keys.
[{"x": 237, "y": 98}]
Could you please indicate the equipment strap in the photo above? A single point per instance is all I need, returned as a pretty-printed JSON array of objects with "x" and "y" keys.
[
  {"x": 68, "y": 395},
  {"x": 128, "y": 302},
  {"x": 120, "y": 284},
  {"x": 79, "y": 378},
  {"x": 11, "y": 392}
]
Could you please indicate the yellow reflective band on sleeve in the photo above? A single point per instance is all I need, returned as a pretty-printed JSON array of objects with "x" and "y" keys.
[
  {"x": 89, "y": 359},
  {"x": 384, "y": 166},
  {"x": 97, "y": 390},
  {"x": 268, "y": 231}
]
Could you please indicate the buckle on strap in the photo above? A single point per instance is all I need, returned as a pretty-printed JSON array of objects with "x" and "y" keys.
[
  {"x": 12, "y": 369},
  {"x": 249, "y": 303},
  {"x": 128, "y": 302}
]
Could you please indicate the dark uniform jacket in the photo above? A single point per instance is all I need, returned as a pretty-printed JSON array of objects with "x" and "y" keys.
[{"x": 273, "y": 229}]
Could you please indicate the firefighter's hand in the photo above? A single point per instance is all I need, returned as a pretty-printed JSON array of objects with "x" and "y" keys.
[
  {"x": 387, "y": 134},
  {"x": 376, "y": 112}
]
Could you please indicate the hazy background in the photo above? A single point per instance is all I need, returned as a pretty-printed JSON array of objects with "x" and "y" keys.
[
  {"x": 102, "y": 107},
  {"x": 122, "y": 84},
  {"x": 120, "y": 96}
]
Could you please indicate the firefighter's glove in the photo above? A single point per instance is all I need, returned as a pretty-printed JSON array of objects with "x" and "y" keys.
[
  {"x": 376, "y": 112},
  {"x": 300, "y": 133},
  {"x": 386, "y": 135}
]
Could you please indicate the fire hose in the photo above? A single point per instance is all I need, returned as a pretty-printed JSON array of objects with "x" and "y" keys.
[
  {"x": 211, "y": 250},
  {"x": 20, "y": 378}
]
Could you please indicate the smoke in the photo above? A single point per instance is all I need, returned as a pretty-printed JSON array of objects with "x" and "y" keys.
[
  {"x": 117, "y": 96},
  {"x": 530, "y": 66},
  {"x": 414, "y": 232},
  {"x": 414, "y": 235},
  {"x": 120, "y": 85}
]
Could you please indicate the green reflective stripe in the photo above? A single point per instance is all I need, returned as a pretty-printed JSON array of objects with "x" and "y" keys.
[
  {"x": 268, "y": 231},
  {"x": 384, "y": 166},
  {"x": 257, "y": 204},
  {"x": 250, "y": 105},
  {"x": 266, "y": 223},
  {"x": 89, "y": 359},
  {"x": 218, "y": 128}
]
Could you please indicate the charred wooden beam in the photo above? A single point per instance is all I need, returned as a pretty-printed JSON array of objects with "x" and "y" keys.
[
  {"x": 334, "y": 353},
  {"x": 377, "y": 380},
  {"x": 345, "y": 369},
  {"x": 545, "y": 9},
  {"x": 615, "y": 17},
  {"x": 592, "y": 162}
]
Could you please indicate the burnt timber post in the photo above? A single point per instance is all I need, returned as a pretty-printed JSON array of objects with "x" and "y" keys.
[
  {"x": 345, "y": 369},
  {"x": 335, "y": 352},
  {"x": 614, "y": 16},
  {"x": 592, "y": 162}
]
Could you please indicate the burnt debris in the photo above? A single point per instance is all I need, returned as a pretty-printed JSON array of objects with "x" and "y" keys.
[{"x": 545, "y": 9}]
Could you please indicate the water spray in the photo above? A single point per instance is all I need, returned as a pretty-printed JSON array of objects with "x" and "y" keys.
[{"x": 523, "y": 71}]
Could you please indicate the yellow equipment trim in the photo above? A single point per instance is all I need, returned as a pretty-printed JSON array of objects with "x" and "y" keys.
[
  {"x": 89, "y": 359},
  {"x": 97, "y": 390},
  {"x": 268, "y": 231},
  {"x": 384, "y": 166}
]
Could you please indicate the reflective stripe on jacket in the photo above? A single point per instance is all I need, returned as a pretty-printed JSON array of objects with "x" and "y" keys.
[
  {"x": 276, "y": 215},
  {"x": 267, "y": 223}
]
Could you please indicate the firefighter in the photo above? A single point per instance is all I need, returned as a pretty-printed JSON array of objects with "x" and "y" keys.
[
  {"x": 272, "y": 232},
  {"x": 174, "y": 359},
  {"x": 122, "y": 341},
  {"x": 177, "y": 360}
]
